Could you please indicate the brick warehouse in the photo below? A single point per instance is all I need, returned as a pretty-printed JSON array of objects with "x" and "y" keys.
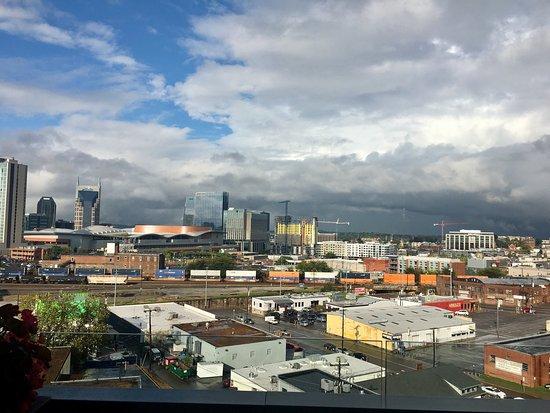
[
  {"x": 523, "y": 360},
  {"x": 514, "y": 292}
]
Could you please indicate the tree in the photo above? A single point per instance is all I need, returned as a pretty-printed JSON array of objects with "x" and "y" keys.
[
  {"x": 330, "y": 255},
  {"x": 282, "y": 260},
  {"x": 24, "y": 359},
  {"x": 313, "y": 266},
  {"x": 411, "y": 270},
  {"x": 492, "y": 272},
  {"x": 55, "y": 252},
  {"x": 70, "y": 319},
  {"x": 222, "y": 262}
]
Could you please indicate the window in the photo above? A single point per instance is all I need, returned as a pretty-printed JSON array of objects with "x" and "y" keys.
[
  {"x": 524, "y": 367},
  {"x": 492, "y": 358},
  {"x": 234, "y": 356}
]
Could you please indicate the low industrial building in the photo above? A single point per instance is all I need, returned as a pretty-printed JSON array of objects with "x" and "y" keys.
[
  {"x": 513, "y": 291},
  {"x": 320, "y": 277},
  {"x": 279, "y": 303},
  {"x": 524, "y": 360},
  {"x": 398, "y": 327},
  {"x": 444, "y": 302},
  {"x": 234, "y": 344},
  {"x": 140, "y": 237},
  {"x": 353, "y": 301},
  {"x": 315, "y": 373},
  {"x": 444, "y": 380},
  {"x": 134, "y": 319}
]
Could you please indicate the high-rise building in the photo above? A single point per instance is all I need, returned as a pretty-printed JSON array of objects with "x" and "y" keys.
[
  {"x": 295, "y": 236},
  {"x": 207, "y": 209},
  {"x": 46, "y": 205},
  {"x": 249, "y": 229},
  {"x": 13, "y": 191},
  {"x": 34, "y": 221},
  {"x": 189, "y": 211},
  {"x": 86, "y": 205}
]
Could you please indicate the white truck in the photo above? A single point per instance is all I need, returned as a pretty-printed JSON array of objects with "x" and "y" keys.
[{"x": 271, "y": 319}]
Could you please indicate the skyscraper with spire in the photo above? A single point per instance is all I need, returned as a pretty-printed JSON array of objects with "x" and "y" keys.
[{"x": 87, "y": 205}]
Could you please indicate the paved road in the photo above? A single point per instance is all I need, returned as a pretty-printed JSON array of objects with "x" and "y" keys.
[{"x": 313, "y": 338}]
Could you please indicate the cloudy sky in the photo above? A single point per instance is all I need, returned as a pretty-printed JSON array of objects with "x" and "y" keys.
[{"x": 392, "y": 115}]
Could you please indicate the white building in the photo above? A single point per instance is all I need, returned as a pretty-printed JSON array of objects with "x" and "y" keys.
[
  {"x": 352, "y": 301},
  {"x": 412, "y": 326},
  {"x": 306, "y": 375},
  {"x": 128, "y": 318},
  {"x": 355, "y": 250},
  {"x": 469, "y": 240},
  {"x": 226, "y": 341},
  {"x": 523, "y": 271},
  {"x": 423, "y": 263},
  {"x": 263, "y": 305}
]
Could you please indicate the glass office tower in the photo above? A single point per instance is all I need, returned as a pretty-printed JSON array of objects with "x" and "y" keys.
[
  {"x": 46, "y": 206},
  {"x": 207, "y": 209}
]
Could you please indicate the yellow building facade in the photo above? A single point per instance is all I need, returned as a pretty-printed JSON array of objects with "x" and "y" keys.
[{"x": 356, "y": 331}]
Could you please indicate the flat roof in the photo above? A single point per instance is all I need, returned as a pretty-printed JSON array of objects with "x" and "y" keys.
[
  {"x": 326, "y": 363},
  {"x": 516, "y": 281},
  {"x": 293, "y": 296},
  {"x": 224, "y": 333},
  {"x": 539, "y": 344},
  {"x": 366, "y": 300},
  {"x": 163, "y": 316},
  {"x": 397, "y": 320}
]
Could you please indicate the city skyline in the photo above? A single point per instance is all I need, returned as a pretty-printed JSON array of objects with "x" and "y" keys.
[{"x": 391, "y": 116}]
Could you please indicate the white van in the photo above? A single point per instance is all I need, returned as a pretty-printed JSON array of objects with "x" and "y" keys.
[{"x": 463, "y": 313}]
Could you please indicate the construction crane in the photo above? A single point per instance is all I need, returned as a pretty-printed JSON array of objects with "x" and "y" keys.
[
  {"x": 336, "y": 223},
  {"x": 286, "y": 224},
  {"x": 442, "y": 224}
]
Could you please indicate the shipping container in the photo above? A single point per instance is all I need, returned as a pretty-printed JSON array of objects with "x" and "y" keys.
[
  {"x": 320, "y": 277},
  {"x": 349, "y": 277},
  {"x": 202, "y": 275},
  {"x": 428, "y": 279},
  {"x": 240, "y": 276},
  {"x": 171, "y": 273},
  {"x": 59, "y": 272},
  {"x": 83, "y": 272},
  {"x": 107, "y": 279},
  {"x": 399, "y": 279},
  {"x": 284, "y": 276},
  {"x": 130, "y": 272}
]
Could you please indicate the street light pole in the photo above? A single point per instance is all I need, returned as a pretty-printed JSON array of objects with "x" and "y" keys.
[
  {"x": 206, "y": 290},
  {"x": 451, "y": 272},
  {"x": 499, "y": 302}
]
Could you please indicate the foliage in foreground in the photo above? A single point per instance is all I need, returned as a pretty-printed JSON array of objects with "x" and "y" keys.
[{"x": 70, "y": 319}]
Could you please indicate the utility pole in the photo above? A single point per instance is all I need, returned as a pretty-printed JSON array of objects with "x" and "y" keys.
[
  {"x": 339, "y": 364},
  {"x": 499, "y": 303},
  {"x": 149, "y": 310},
  {"x": 343, "y": 326},
  {"x": 206, "y": 290},
  {"x": 451, "y": 277},
  {"x": 433, "y": 346}
]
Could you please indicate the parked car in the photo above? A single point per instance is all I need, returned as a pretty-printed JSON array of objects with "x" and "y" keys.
[
  {"x": 248, "y": 320},
  {"x": 463, "y": 313},
  {"x": 528, "y": 310},
  {"x": 305, "y": 323},
  {"x": 493, "y": 391},
  {"x": 360, "y": 356},
  {"x": 240, "y": 317},
  {"x": 329, "y": 347},
  {"x": 274, "y": 314}
]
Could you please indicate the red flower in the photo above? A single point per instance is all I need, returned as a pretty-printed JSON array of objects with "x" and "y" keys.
[{"x": 29, "y": 321}]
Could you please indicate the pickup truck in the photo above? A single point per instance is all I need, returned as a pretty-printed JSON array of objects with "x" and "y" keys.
[{"x": 271, "y": 319}]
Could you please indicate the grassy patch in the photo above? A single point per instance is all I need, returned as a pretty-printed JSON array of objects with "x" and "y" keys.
[{"x": 538, "y": 392}]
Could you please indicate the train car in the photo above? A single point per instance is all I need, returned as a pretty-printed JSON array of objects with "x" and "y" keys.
[
  {"x": 203, "y": 275},
  {"x": 10, "y": 275},
  {"x": 107, "y": 279},
  {"x": 288, "y": 277},
  {"x": 57, "y": 276},
  {"x": 399, "y": 279},
  {"x": 170, "y": 274},
  {"x": 354, "y": 278},
  {"x": 427, "y": 279},
  {"x": 84, "y": 272},
  {"x": 240, "y": 276},
  {"x": 129, "y": 272},
  {"x": 320, "y": 277}
]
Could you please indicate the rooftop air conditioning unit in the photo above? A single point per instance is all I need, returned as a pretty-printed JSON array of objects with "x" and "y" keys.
[
  {"x": 295, "y": 366},
  {"x": 252, "y": 374},
  {"x": 327, "y": 385},
  {"x": 274, "y": 379},
  {"x": 346, "y": 387}
]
